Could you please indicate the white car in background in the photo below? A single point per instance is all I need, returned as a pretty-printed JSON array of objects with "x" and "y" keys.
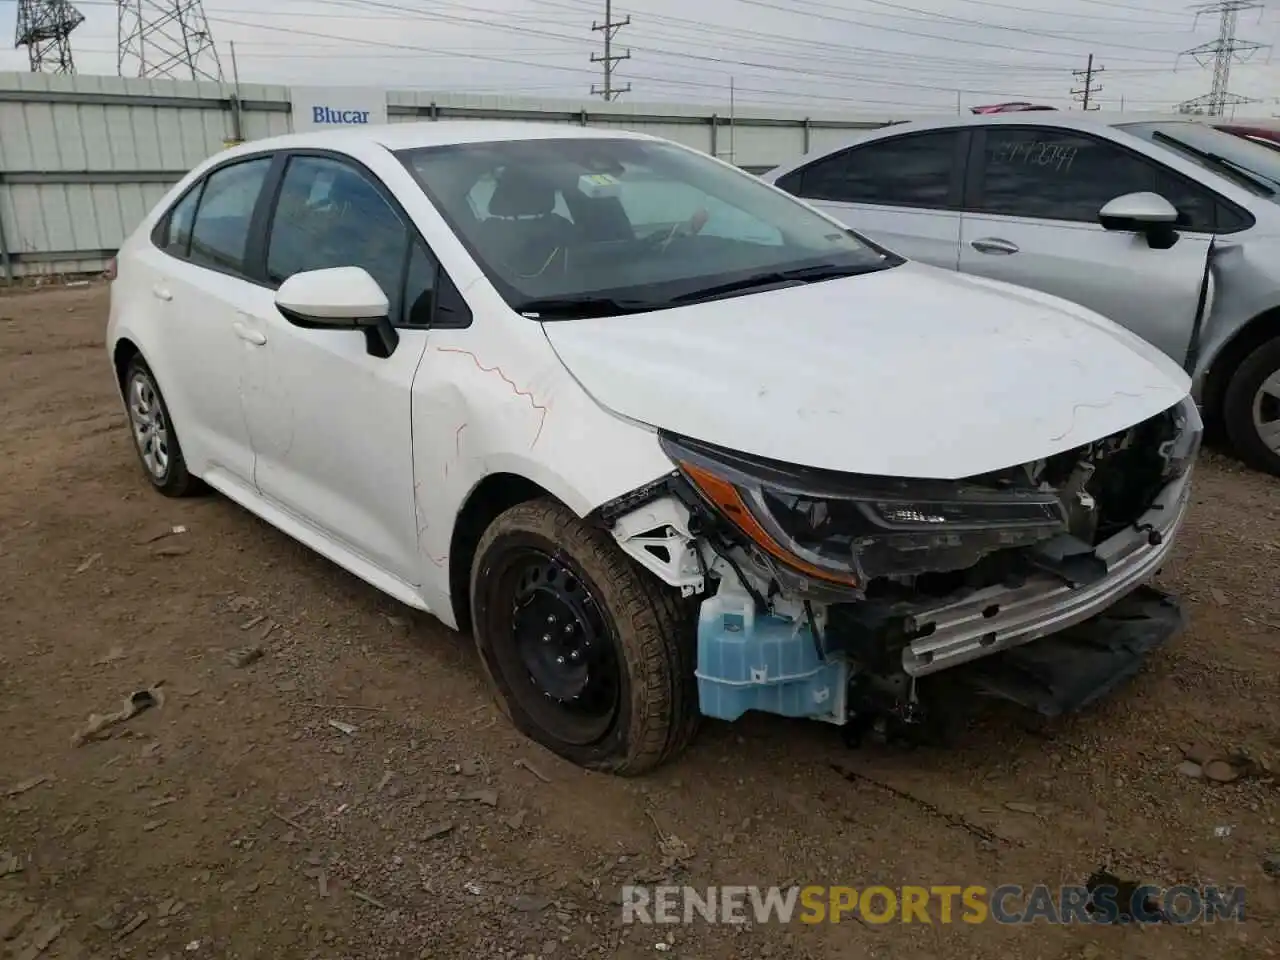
[
  {"x": 1168, "y": 227},
  {"x": 666, "y": 440}
]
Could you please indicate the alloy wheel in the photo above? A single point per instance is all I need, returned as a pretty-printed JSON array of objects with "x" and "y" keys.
[
  {"x": 1266, "y": 412},
  {"x": 150, "y": 426}
]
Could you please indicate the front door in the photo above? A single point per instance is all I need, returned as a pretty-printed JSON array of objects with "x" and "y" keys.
[
  {"x": 1032, "y": 220},
  {"x": 330, "y": 422}
]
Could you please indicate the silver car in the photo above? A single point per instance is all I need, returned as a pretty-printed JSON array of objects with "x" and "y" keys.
[{"x": 1169, "y": 227}]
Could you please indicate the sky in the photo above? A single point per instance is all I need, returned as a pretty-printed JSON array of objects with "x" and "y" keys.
[{"x": 852, "y": 57}]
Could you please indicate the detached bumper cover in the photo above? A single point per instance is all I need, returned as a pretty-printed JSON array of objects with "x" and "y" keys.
[
  {"x": 1073, "y": 669},
  {"x": 1001, "y": 618}
]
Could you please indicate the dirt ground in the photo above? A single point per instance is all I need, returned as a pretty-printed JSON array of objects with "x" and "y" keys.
[{"x": 353, "y": 793}]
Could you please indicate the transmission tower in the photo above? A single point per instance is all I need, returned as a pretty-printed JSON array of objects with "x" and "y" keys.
[
  {"x": 1222, "y": 53},
  {"x": 609, "y": 28},
  {"x": 44, "y": 28},
  {"x": 1090, "y": 88},
  {"x": 165, "y": 38}
]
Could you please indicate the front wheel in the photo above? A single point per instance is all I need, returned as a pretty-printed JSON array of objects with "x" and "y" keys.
[
  {"x": 587, "y": 653},
  {"x": 1251, "y": 408}
]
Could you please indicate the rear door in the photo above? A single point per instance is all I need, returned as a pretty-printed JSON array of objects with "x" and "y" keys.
[
  {"x": 1031, "y": 218},
  {"x": 901, "y": 191},
  {"x": 199, "y": 284}
]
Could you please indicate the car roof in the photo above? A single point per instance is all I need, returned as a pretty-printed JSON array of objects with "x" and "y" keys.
[
  {"x": 1037, "y": 118},
  {"x": 435, "y": 133}
]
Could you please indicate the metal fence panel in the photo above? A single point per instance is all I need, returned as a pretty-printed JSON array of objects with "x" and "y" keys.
[{"x": 83, "y": 158}]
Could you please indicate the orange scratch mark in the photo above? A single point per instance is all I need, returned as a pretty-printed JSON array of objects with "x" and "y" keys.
[
  {"x": 438, "y": 561},
  {"x": 515, "y": 389}
]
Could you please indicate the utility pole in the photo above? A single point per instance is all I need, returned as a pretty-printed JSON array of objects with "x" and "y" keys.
[
  {"x": 732, "y": 123},
  {"x": 1086, "y": 93},
  {"x": 44, "y": 28},
  {"x": 608, "y": 90},
  {"x": 1222, "y": 53},
  {"x": 165, "y": 38}
]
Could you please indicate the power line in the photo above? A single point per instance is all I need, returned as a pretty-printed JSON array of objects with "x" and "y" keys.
[
  {"x": 1224, "y": 51},
  {"x": 807, "y": 57},
  {"x": 800, "y": 95},
  {"x": 1086, "y": 92},
  {"x": 950, "y": 89},
  {"x": 609, "y": 60},
  {"x": 848, "y": 21},
  {"x": 1076, "y": 15},
  {"x": 714, "y": 28}
]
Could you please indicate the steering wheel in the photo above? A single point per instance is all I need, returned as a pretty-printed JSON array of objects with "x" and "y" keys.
[{"x": 692, "y": 227}]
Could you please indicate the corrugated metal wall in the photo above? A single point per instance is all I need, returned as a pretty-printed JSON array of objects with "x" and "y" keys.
[{"x": 83, "y": 158}]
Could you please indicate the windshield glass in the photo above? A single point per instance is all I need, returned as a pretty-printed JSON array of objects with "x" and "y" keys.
[
  {"x": 1203, "y": 139},
  {"x": 593, "y": 226}
]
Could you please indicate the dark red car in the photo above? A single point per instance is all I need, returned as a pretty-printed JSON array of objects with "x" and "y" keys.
[
  {"x": 1267, "y": 136},
  {"x": 1015, "y": 106}
]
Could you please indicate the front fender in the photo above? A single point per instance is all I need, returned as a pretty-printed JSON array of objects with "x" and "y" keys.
[{"x": 504, "y": 404}]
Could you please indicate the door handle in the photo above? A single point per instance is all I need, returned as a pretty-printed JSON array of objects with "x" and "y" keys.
[
  {"x": 994, "y": 245},
  {"x": 161, "y": 293},
  {"x": 248, "y": 334}
]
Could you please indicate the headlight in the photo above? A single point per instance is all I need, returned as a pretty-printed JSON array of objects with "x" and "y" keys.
[
  {"x": 849, "y": 530},
  {"x": 1181, "y": 450}
]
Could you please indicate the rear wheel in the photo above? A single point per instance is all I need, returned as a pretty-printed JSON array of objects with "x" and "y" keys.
[
  {"x": 1251, "y": 408},
  {"x": 154, "y": 436},
  {"x": 587, "y": 653}
]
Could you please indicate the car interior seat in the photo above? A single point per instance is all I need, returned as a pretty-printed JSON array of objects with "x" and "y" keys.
[{"x": 523, "y": 227}]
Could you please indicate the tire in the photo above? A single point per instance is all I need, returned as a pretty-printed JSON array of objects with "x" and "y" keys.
[
  {"x": 155, "y": 438},
  {"x": 539, "y": 557},
  {"x": 1238, "y": 407}
]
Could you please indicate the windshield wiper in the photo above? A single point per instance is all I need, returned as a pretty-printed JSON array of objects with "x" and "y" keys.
[
  {"x": 770, "y": 278},
  {"x": 571, "y": 308},
  {"x": 1243, "y": 172}
]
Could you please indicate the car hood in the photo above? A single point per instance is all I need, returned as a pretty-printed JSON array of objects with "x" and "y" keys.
[{"x": 910, "y": 372}]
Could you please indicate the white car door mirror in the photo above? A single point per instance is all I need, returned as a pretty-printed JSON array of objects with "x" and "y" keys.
[
  {"x": 340, "y": 297},
  {"x": 1147, "y": 213}
]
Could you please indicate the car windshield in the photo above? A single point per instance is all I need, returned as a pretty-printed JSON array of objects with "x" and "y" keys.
[
  {"x": 1223, "y": 153},
  {"x": 577, "y": 227}
]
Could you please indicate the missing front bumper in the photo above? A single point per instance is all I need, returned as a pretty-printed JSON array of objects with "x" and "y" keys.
[
  {"x": 1088, "y": 637},
  {"x": 1001, "y": 618},
  {"x": 1073, "y": 669}
]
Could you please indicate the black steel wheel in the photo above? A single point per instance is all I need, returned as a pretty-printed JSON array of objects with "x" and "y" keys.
[{"x": 588, "y": 654}]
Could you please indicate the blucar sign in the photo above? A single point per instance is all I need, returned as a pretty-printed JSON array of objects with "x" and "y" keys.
[{"x": 321, "y": 108}]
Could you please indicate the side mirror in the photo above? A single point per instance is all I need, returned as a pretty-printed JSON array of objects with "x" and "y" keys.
[
  {"x": 340, "y": 298},
  {"x": 1147, "y": 213}
]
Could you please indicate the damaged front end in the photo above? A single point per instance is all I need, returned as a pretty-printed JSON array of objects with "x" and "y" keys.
[{"x": 834, "y": 594}]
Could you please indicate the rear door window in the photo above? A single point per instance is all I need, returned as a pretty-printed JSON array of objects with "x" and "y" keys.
[
  {"x": 176, "y": 234},
  {"x": 220, "y": 232},
  {"x": 915, "y": 170}
]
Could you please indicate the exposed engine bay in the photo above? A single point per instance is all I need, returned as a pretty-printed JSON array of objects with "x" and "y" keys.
[{"x": 830, "y": 596}]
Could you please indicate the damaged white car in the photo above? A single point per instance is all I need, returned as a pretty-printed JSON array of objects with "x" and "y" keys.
[{"x": 668, "y": 441}]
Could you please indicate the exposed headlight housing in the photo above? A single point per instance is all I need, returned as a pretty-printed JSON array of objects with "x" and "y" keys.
[
  {"x": 1181, "y": 450},
  {"x": 851, "y": 529}
]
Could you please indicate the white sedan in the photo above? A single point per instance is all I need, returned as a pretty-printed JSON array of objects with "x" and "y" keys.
[{"x": 668, "y": 441}]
